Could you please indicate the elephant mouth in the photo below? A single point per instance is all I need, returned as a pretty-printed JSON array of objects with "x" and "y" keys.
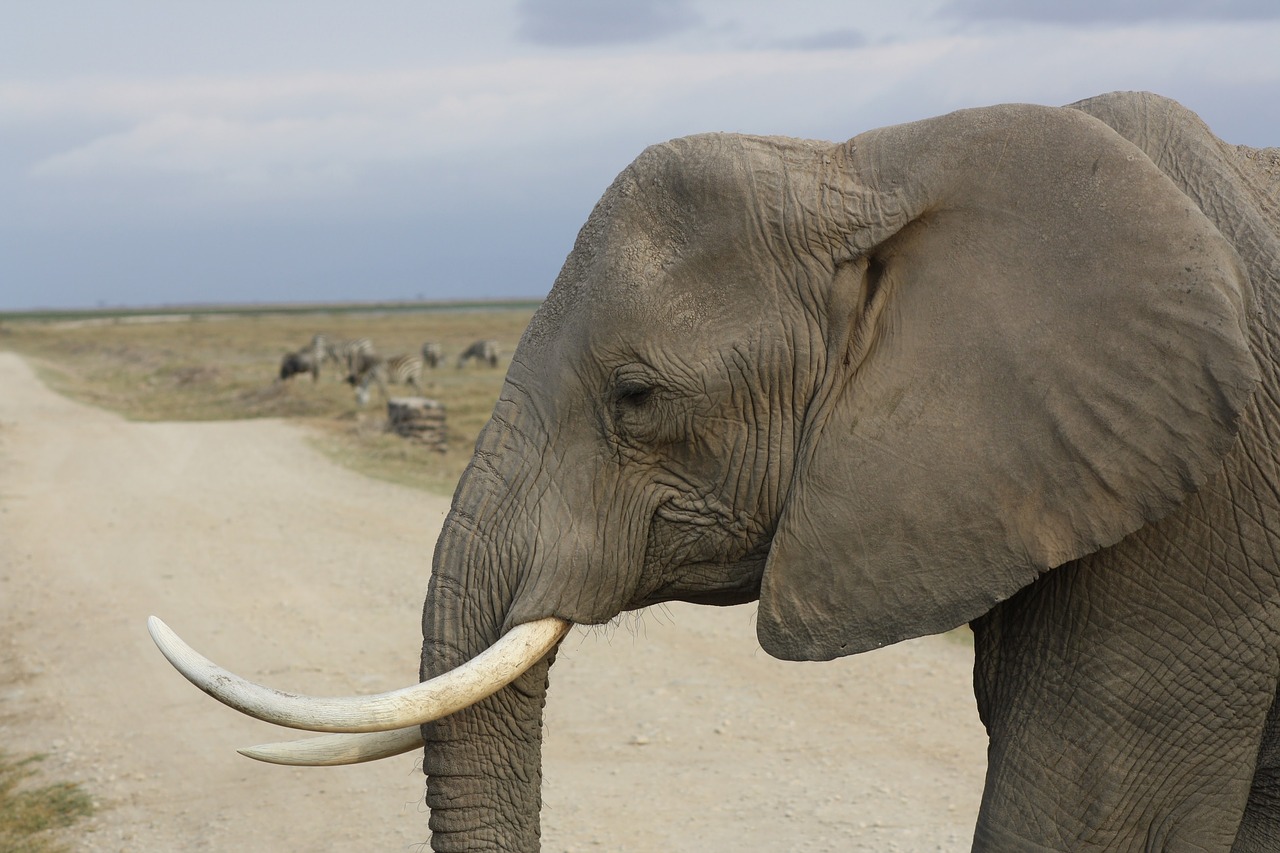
[
  {"x": 704, "y": 554},
  {"x": 368, "y": 727},
  {"x": 718, "y": 564},
  {"x": 713, "y": 567}
]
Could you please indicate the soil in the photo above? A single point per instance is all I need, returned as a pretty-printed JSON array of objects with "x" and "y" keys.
[{"x": 668, "y": 731}]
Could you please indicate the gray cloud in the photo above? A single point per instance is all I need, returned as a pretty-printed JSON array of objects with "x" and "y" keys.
[
  {"x": 843, "y": 39},
  {"x": 581, "y": 23},
  {"x": 1111, "y": 11},
  {"x": 377, "y": 175}
]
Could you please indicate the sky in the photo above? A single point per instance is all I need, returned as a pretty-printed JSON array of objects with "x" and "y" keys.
[{"x": 155, "y": 153}]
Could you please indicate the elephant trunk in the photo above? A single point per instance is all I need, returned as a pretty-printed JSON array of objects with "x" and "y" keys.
[
  {"x": 483, "y": 763},
  {"x": 484, "y": 791}
]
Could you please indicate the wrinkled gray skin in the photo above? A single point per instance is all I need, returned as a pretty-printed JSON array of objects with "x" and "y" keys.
[{"x": 884, "y": 387}]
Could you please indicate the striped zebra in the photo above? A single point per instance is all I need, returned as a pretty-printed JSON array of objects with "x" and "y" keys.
[
  {"x": 485, "y": 352},
  {"x": 432, "y": 354},
  {"x": 365, "y": 369},
  {"x": 337, "y": 350}
]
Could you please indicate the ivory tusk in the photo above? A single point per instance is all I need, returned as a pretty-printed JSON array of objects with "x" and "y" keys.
[
  {"x": 483, "y": 675},
  {"x": 330, "y": 750}
]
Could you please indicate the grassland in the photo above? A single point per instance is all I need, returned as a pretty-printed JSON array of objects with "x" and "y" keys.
[{"x": 218, "y": 364}]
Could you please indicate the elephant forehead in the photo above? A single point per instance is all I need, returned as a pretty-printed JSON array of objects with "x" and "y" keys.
[
  {"x": 658, "y": 316},
  {"x": 619, "y": 257},
  {"x": 678, "y": 236},
  {"x": 637, "y": 287}
]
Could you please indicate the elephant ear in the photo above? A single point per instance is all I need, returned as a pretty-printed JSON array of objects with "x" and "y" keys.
[{"x": 1045, "y": 348}]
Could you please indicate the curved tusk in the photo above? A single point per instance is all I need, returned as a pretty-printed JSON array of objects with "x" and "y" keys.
[
  {"x": 483, "y": 675},
  {"x": 329, "y": 750}
]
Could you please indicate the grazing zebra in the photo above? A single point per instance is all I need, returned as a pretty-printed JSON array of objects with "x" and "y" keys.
[
  {"x": 432, "y": 354},
  {"x": 482, "y": 351},
  {"x": 365, "y": 369},
  {"x": 340, "y": 352},
  {"x": 302, "y": 361}
]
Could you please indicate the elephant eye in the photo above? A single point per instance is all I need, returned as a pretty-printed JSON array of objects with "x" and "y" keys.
[
  {"x": 632, "y": 395},
  {"x": 640, "y": 407}
]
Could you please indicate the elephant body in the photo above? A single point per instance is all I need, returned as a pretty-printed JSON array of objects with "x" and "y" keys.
[
  {"x": 1013, "y": 366},
  {"x": 1130, "y": 696},
  {"x": 1149, "y": 669}
]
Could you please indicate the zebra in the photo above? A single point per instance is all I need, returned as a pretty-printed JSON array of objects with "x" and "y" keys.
[
  {"x": 301, "y": 361},
  {"x": 432, "y": 354},
  {"x": 339, "y": 351},
  {"x": 365, "y": 369},
  {"x": 482, "y": 351}
]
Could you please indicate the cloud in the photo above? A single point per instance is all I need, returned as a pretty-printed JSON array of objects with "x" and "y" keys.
[
  {"x": 288, "y": 135},
  {"x": 578, "y": 23},
  {"x": 840, "y": 39},
  {"x": 474, "y": 177},
  {"x": 280, "y": 157},
  {"x": 1103, "y": 11},
  {"x": 306, "y": 135},
  {"x": 523, "y": 130}
]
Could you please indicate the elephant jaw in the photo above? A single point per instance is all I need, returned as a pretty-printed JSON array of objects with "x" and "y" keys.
[{"x": 387, "y": 722}]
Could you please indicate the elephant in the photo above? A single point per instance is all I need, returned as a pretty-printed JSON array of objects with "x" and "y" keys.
[{"x": 1014, "y": 367}]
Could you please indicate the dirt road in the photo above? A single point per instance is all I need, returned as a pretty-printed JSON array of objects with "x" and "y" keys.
[{"x": 667, "y": 732}]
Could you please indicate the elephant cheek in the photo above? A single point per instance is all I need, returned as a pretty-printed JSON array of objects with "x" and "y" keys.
[{"x": 587, "y": 564}]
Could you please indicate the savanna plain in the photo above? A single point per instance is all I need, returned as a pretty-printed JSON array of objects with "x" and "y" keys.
[{"x": 155, "y": 463}]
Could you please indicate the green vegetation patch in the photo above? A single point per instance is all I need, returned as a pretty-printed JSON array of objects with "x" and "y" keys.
[{"x": 28, "y": 814}]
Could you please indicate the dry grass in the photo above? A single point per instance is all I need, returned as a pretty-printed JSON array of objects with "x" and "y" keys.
[
  {"x": 224, "y": 365},
  {"x": 28, "y": 814}
]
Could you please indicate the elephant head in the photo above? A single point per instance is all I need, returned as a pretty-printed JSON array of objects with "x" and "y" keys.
[{"x": 878, "y": 386}]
